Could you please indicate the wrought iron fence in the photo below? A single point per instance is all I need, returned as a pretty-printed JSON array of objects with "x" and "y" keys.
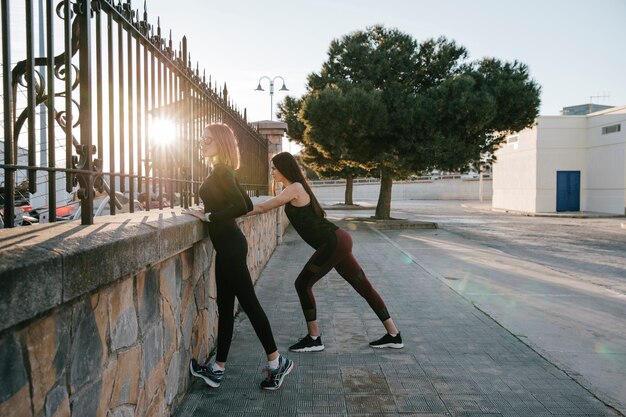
[{"x": 112, "y": 111}]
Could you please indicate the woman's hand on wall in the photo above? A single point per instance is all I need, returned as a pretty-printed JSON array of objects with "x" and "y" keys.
[{"x": 196, "y": 213}]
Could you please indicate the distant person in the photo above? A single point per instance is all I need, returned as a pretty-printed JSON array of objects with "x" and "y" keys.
[
  {"x": 333, "y": 249},
  {"x": 224, "y": 200}
]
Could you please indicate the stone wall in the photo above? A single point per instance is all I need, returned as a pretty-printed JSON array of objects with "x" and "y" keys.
[{"x": 102, "y": 320}]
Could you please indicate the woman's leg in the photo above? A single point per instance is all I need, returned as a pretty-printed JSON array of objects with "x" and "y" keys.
[
  {"x": 352, "y": 272},
  {"x": 318, "y": 265},
  {"x": 240, "y": 282},
  {"x": 225, "y": 308}
]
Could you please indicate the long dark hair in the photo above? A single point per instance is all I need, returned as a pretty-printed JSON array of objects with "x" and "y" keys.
[{"x": 287, "y": 165}]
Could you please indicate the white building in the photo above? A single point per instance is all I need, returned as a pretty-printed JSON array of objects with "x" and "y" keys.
[{"x": 564, "y": 163}]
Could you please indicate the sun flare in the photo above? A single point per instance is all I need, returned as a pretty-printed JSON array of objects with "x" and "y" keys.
[{"x": 162, "y": 131}]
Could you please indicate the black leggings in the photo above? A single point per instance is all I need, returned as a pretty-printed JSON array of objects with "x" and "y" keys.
[
  {"x": 336, "y": 253},
  {"x": 233, "y": 280}
]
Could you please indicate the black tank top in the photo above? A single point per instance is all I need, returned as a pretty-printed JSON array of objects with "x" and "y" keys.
[{"x": 312, "y": 228}]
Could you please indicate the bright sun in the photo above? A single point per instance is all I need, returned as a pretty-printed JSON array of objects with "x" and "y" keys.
[{"x": 162, "y": 131}]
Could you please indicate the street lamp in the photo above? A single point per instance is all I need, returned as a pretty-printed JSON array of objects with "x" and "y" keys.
[{"x": 271, "y": 80}]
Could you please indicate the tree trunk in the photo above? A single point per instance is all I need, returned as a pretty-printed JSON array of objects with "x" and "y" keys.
[
  {"x": 349, "y": 188},
  {"x": 383, "y": 208}
]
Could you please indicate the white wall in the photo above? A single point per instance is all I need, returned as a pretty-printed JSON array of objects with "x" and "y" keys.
[
  {"x": 606, "y": 164},
  {"x": 561, "y": 146},
  {"x": 514, "y": 174}
]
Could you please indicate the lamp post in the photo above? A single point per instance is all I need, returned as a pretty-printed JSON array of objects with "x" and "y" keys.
[{"x": 271, "y": 80}]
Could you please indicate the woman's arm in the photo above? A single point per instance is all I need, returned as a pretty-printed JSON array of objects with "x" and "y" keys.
[{"x": 288, "y": 194}]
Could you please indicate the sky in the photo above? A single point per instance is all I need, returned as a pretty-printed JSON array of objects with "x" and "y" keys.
[{"x": 574, "y": 48}]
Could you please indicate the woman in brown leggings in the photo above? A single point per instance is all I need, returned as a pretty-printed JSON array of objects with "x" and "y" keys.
[{"x": 333, "y": 249}]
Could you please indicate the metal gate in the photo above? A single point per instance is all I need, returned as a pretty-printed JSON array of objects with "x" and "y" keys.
[{"x": 82, "y": 92}]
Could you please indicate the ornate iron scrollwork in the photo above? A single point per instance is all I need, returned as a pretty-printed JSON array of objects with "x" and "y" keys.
[{"x": 19, "y": 77}]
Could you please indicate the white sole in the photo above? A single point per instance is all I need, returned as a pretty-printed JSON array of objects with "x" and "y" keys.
[
  {"x": 287, "y": 372},
  {"x": 389, "y": 345},
  {"x": 206, "y": 380},
  {"x": 309, "y": 349}
]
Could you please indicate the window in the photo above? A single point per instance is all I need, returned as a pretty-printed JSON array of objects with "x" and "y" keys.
[{"x": 611, "y": 129}]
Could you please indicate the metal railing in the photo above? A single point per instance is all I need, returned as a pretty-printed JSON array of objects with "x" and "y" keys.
[
  {"x": 422, "y": 178},
  {"x": 109, "y": 108}
]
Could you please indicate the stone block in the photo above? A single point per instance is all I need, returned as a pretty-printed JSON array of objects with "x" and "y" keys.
[
  {"x": 14, "y": 390},
  {"x": 170, "y": 330},
  {"x": 212, "y": 288},
  {"x": 108, "y": 378},
  {"x": 148, "y": 298},
  {"x": 85, "y": 401},
  {"x": 127, "y": 378},
  {"x": 154, "y": 392},
  {"x": 123, "y": 317},
  {"x": 199, "y": 295},
  {"x": 100, "y": 307},
  {"x": 170, "y": 284},
  {"x": 86, "y": 350},
  {"x": 187, "y": 327},
  {"x": 31, "y": 281},
  {"x": 42, "y": 347},
  {"x": 186, "y": 259},
  {"x": 172, "y": 378},
  {"x": 57, "y": 403},
  {"x": 152, "y": 350},
  {"x": 202, "y": 258},
  {"x": 122, "y": 411},
  {"x": 18, "y": 405}
]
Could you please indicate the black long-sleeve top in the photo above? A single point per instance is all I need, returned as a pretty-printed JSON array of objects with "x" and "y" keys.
[{"x": 223, "y": 196}]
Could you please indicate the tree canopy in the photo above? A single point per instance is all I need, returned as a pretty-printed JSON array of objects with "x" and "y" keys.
[{"x": 383, "y": 100}]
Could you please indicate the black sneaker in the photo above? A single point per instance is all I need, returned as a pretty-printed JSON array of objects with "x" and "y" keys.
[
  {"x": 388, "y": 341},
  {"x": 276, "y": 376},
  {"x": 211, "y": 378},
  {"x": 307, "y": 344}
]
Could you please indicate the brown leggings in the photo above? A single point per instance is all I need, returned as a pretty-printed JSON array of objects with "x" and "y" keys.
[{"x": 336, "y": 253}]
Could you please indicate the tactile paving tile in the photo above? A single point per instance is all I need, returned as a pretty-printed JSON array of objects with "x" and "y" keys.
[{"x": 468, "y": 403}]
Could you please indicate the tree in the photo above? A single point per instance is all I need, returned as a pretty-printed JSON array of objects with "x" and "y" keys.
[
  {"x": 324, "y": 160},
  {"x": 382, "y": 99}
]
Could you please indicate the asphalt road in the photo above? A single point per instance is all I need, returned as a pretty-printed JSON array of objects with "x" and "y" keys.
[
  {"x": 590, "y": 249},
  {"x": 557, "y": 283}
]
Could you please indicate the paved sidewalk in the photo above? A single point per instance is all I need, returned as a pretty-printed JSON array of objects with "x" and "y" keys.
[{"x": 456, "y": 362}]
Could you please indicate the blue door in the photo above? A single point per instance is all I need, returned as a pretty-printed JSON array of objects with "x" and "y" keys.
[{"x": 568, "y": 191}]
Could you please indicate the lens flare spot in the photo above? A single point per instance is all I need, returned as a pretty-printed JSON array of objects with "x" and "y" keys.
[
  {"x": 351, "y": 226},
  {"x": 604, "y": 350},
  {"x": 407, "y": 259}
]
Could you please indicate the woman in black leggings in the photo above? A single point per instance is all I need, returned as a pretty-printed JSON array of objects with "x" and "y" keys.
[
  {"x": 333, "y": 249},
  {"x": 224, "y": 200}
]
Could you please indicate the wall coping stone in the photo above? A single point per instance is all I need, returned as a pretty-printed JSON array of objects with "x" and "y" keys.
[{"x": 46, "y": 265}]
